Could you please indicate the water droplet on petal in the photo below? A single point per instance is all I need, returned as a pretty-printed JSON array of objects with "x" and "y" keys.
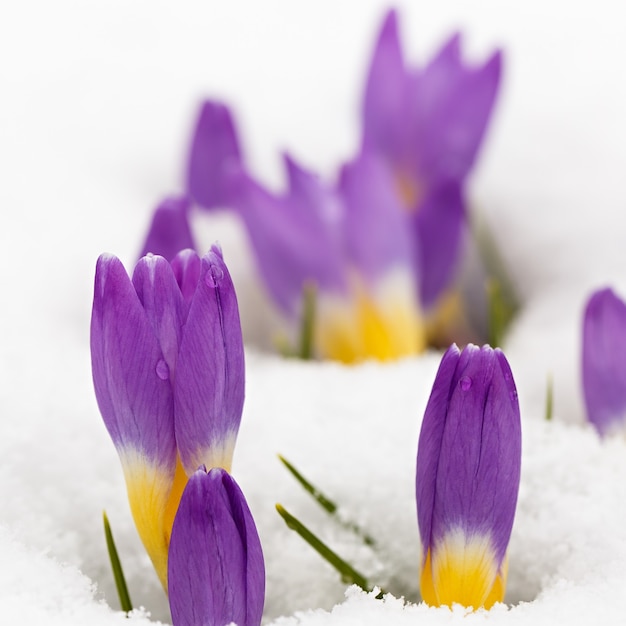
[
  {"x": 465, "y": 383},
  {"x": 513, "y": 395},
  {"x": 214, "y": 276},
  {"x": 162, "y": 370}
]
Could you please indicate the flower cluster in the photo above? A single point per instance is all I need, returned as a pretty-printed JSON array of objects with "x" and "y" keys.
[
  {"x": 168, "y": 371},
  {"x": 381, "y": 247}
]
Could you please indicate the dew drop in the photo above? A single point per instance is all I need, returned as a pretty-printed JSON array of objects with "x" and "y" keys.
[
  {"x": 162, "y": 370},
  {"x": 214, "y": 276},
  {"x": 465, "y": 383},
  {"x": 513, "y": 395}
]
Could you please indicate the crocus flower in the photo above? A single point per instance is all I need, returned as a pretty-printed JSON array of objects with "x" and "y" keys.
[
  {"x": 468, "y": 471},
  {"x": 169, "y": 230},
  {"x": 604, "y": 360},
  {"x": 214, "y": 155},
  {"x": 168, "y": 371},
  {"x": 333, "y": 237},
  {"x": 216, "y": 573},
  {"x": 428, "y": 124}
]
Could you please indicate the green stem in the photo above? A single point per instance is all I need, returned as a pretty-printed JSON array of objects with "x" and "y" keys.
[
  {"x": 307, "y": 323},
  {"x": 116, "y": 566},
  {"x": 326, "y": 503},
  {"x": 549, "y": 399},
  {"x": 348, "y": 574}
]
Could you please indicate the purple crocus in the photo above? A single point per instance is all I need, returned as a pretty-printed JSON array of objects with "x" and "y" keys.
[
  {"x": 216, "y": 573},
  {"x": 468, "y": 472},
  {"x": 332, "y": 236},
  {"x": 428, "y": 125},
  {"x": 604, "y": 360},
  {"x": 169, "y": 231},
  {"x": 214, "y": 156},
  {"x": 168, "y": 371},
  {"x": 349, "y": 240}
]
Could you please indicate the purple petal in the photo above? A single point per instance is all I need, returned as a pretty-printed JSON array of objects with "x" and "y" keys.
[
  {"x": 604, "y": 360},
  {"x": 385, "y": 101},
  {"x": 209, "y": 386},
  {"x": 214, "y": 156},
  {"x": 438, "y": 226},
  {"x": 186, "y": 266},
  {"x": 163, "y": 304},
  {"x": 134, "y": 397},
  {"x": 450, "y": 109},
  {"x": 169, "y": 231},
  {"x": 216, "y": 573},
  {"x": 468, "y": 461},
  {"x": 296, "y": 237},
  {"x": 371, "y": 201}
]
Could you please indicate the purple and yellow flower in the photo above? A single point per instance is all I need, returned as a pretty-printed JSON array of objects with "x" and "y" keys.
[
  {"x": 216, "y": 572},
  {"x": 467, "y": 480},
  {"x": 383, "y": 244},
  {"x": 349, "y": 241},
  {"x": 428, "y": 125},
  {"x": 168, "y": 371},
  {"x": 604, "y": 361}
]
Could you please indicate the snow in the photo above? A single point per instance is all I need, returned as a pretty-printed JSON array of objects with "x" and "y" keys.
[{"x": 97, "y": 104}]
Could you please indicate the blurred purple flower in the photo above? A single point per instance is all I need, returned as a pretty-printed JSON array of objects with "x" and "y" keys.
[
  {"x": 169, "y": 231},
  {"x": 467, "y": 480},
  {"x": 350, "y": 241},
  {"x": 168, "y": 371},
  {"x": 428, "y": 124},
  {"x": 604, "y": 360},
  {"x": 216, "y": 573},
  {"x": 214, "y": 156}
]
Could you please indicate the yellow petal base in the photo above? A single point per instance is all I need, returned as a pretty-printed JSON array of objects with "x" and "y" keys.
[
  {"x": 463, "y": 570},
  {"x": 386, "y": 325},
  {"x": 153, "y": 495}
]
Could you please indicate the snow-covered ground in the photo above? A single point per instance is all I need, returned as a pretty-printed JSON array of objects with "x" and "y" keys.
[{"x": 96, "y": 107}]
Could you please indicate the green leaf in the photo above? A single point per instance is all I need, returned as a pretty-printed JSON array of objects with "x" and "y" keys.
[
  {"x": 348, "y": 574},
  {"x": 116, "y": 566},
  {"x": 549, "y": 399},
  {"x": 326, "y": 503},
  {"x": 304, "y": 348},
  {"x": 501, "y": 312},
  {"x": 307, "y": 322}
]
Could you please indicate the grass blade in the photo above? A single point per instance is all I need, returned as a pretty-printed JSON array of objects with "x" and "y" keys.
[
  {"x": 549, "y": 399},
  {"x": 116, "y": 566},
  {"x": 326, "y": 503},
  {"x": 348, "y": 574}
]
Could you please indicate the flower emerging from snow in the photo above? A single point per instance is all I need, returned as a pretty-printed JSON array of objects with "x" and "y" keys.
[
  {"x": 168, "y": 371},
  {"x": 348, "y": 240},
  {"x": 468, "y": 471},
  {"x": 381, "y": 244},
  {"x": 604, "y": 360},
  {"x": 428, "y": 125},
  {"x": 216, "y": 572}
]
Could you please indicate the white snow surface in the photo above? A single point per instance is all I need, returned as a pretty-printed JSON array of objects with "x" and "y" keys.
[{"x": 97, "y": 105}]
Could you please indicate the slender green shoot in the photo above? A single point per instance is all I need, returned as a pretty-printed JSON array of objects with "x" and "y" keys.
[
  {"x": 321, "y": 499},
  {"x": 326, "y": 503},
  {"x": 116, "y": 566},
  {"x": 304, "y": 346},
  {"x": 348, "y": 574},
  {"x": 549, "y": 399},
  {"x": 307, "y": 321},
  {"x": 500, "y": 312}
]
